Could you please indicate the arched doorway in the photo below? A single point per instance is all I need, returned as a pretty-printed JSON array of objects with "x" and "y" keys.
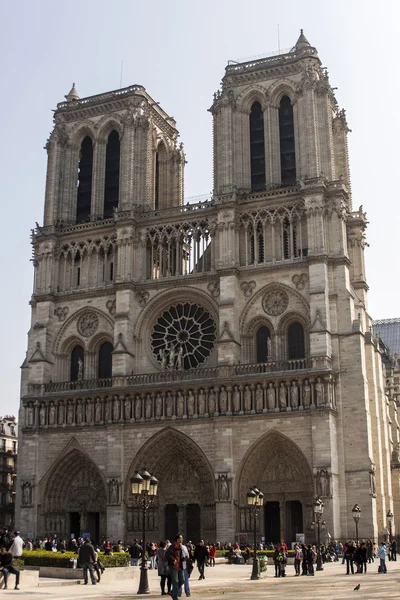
[
  {"x": 74, "y": 498},
  {"x": 186, "y": 497},
  {"x": 279, "y": 468}
]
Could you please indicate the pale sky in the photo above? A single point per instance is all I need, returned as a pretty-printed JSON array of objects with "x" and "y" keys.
[{"x": 178, "y": 50}]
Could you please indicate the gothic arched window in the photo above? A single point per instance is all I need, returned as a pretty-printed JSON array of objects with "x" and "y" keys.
[
  {"x": 160, "y": 176},
  {"x": 85, "y": 170},
  {"x": 157, "y": 183},
  {"x": 111, "y": 182},
  {"x": 286, "y": 136},
  {"x": 263, "y": 343},
  {"x": 296, "y": 342},
  {"x": 105, "y": 360},
  {"x": 77, "y": 362},
  {"x": 257, "y": 148}
]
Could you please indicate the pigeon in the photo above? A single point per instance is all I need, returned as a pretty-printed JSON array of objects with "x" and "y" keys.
[{"x": 357, "y": 587}]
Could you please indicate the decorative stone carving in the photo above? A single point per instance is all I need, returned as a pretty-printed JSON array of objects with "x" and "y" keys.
[
  {"x": 211, "y": 401},
  {"x": 142, "y": 298},
  {"x": 275, "y": 303},
  {"x": 26, "y": 494},
  {"x": 158, "y": 406},
  {"x": 116, "y": 408},
  {"x": 372, "y": 480},
  {"x": 30, "y": 416},
  {"x": 88, "y": 324},
  {"x": 190, "y": 404},
  {"x": 223, "y": 400},
  {"x": 52, "y": 414},
  {"x": 111, "y": 306},
  {"x": 271, "y": 396},
  {"x": 202, "y": 402},
  {"x": 61, "y": 312},
  {"x": 180, "y": 403},
  {"x": 282, "y": 396},
  {"x": 148, "y": 406},
  {"x": 322, "y": 481},
  {"x": 97, "y": 417},
  {"x": 247, "y": 398},
  {"x": 114, "y": 491},
  {"x": 236, "y": 399},
  {"x": 213, "y": 288},
  {"x": 306, "y": 394},
  {"x": 223, "y": 487},
  {"x": 300, "y": 280},
  {"x": 248, "y": 288},
  {"x": 320, "y": 392},
  {"x": 294, "y": 395}
]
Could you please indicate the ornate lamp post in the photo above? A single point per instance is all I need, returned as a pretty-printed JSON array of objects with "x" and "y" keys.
[
  {"x": 356, "y": 516},
  {"x": 389, "y": 517},
  {"x": 255, "y": 500},
  {"x": 318, "y": 512},
  {"x": 144, "y": 490}
]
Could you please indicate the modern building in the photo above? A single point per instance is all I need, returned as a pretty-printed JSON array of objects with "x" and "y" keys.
[
  {"x": 8, "y": 469},
  {"x": 221, "y": 344}
]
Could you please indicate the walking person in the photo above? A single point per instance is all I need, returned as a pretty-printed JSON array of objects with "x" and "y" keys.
[
  {"x": 201, "y": 556},
  {"x": 6, "y": 565},
  {"x": 164, "y": 571},
  {"x": 382, "y": 552},
  {"x": 17, "y": 546},
  {"x": 174, "y": 560},
  {"x": 393, "y": 550},
  {"x": 213, "y": 554},
  {"x": 187, "y": 570},
  {"x": 87, "y": 558}
]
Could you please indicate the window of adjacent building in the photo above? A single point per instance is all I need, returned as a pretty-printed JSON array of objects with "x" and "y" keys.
[
  {"x": 262, "y": 336},
  {"x": 286, "y": 136},
  {"x": 3, "y": 445},
  {"x": 85, "y": 170},
  {"x": 105, "y": 361},
  {"x": 296, "y": 343},
  {"x": 3, "y": 498},
  {"x": 257, "y": 148},
  {"x": 14, "y": 447},
  {"x": 111, "y": 182},
  {"x": 77, "y": 361}
]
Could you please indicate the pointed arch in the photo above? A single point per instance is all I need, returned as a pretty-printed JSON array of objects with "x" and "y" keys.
[
  {"x": 257, "y": 147},
  {"x": 85, "y": 171},
  {"x": 287, "y": 141},
  {"x": 161, "y": 176},
  {"x": 112, "y": 174}
]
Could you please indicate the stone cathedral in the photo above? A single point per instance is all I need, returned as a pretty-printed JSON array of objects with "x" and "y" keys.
[{"x": 219, "y": 345}]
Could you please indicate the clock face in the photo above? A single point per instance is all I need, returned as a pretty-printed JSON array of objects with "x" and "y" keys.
[
  {"x": 275, "y": 303},
  {"x": 88, "y": 324}
]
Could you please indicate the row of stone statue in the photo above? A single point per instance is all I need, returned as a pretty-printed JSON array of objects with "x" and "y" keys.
[{"x": 237, "y": 399}]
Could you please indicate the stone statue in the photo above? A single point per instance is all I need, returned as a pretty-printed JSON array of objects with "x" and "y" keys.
[
  {"x": 307, "y": 394},
  {"x": 223, "y": 400},
  {"x": 138, "y": 408},
  {"x": 271, "y": 396},
  {"x": 247, "y": 398},
  {"x": 259, "y": 398},
  {"x": 202, "y": 402},
  {"x": 70, "y": 413},
  {"x": 372, "y": 481},
  {"x": 52, "y": 414},
  {"x": 179, "y": 360},
  {"x": 61, "y": 413},
  {"x": 42, "y": 415},
  {"x": 158, "y": 406},
  {"x": 269, "y": 348},
  {"x": 79, "y": 413},
  {"x": 169, "y": 405},
  {"x": 26, "y": 494},
  {"x": 107, "y": 411},
  {"x": 172, "y": 352},
  {"x": 319, "y": 391},
  {"x": 282, "y": 396},
  {"x": 223, "y": 488},
  {"x": 89, "y": 411},
  {"x": 148, "y": 406},
  {"x": 116, "y": 409},
  {"x": 236, "y": 399},
  {"x": 322, "y": 483},
  {"x": 180, "y": 404},
  {"x": 80, "y": 369},
  {"x": 97, "y": 417},
  {"x": 127, "y": 409},
  {"x": 190, "y": 403},
  {"x": 113, "y": 485},
  {"x": 211, "y": 401},
  {"x": 163, "y": 354},
  {"x": 30, "y": 416},
  {"x": 294, "y": 395}
]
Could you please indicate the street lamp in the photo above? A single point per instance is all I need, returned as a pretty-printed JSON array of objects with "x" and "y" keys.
[
  {"x": 255, "y": 500},
  {"x": 318, "y": 512},
  {"x": 356, "y": 510},
  {"x": 389, "y": 517},
  {"x": 144, "y": 489}
]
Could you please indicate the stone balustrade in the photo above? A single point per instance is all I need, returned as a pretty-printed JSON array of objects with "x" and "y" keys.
[{"x": 294, "y": 393}]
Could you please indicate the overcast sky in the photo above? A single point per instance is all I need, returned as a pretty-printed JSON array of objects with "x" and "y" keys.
[{"x": 178, "y": 50}]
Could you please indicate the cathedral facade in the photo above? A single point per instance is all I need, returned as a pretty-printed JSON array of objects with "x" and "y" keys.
[{"x": 219, "y": 345}]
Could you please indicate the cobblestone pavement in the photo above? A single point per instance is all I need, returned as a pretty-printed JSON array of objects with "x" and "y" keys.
[{"x": 233, "y": 583}]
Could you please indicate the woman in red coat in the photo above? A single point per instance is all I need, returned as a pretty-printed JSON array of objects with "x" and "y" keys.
[{"x": 212, "y": 555}]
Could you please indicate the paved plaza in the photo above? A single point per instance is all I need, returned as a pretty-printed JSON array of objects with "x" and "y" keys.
[{"x": 233, "y": 582}]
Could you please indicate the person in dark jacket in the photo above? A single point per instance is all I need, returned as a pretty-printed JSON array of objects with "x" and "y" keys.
[
  {"x": 362, "y": 558},
  {"x": 349, "y": 556},
  {"x": 87, "y": 558},
  {"x": 6, "y": 565},
  {"x": 136, "y": 553},
  {"x": 201, "y": 556},
  {"x": 393, "y": 550}
]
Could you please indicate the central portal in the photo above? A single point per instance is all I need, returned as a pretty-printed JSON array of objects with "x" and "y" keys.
[{"x": 272, "y": 520}]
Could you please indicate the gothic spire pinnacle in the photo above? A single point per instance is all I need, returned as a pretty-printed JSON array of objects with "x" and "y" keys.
[
  {"x": 302, "y": 42},
  {"x": 73, "y": 94}
]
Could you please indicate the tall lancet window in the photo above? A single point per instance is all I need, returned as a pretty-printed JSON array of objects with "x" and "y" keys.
[
  {"x": 160, "y": 177},
  {"x": 157, "y": 183},
  {"x": 257, "y": 148},
  {"x": 286, "y": 136},
  {"x": 85, "y": 170},
  {"x": 111, "y": 182}
]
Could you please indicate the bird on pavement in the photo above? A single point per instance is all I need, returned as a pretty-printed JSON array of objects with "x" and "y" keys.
[{"x": 357, "y": 587}]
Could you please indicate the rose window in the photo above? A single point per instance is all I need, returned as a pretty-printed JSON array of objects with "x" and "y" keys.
[
  {"x": 275, "y": 303},
  {"x": 183, "y": 337}
]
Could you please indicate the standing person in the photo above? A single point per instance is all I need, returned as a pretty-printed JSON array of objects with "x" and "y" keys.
[
  {"x": 382, "y": 551},
  {"x": 276, "y": 562},
  {"x": 87, "y": 558},
  {"x": 136, "y": 553},
  {"x": 174, "y": 560},
  {"x": 304, "y": 568},
  {"x": 17, "y": 547},
  {"x": 6, "y": 565},
  {"x": 393, "y": 550},
  {"x": 187, "y": 570},
  {"x": 213, "y": 554},
  {"x": 310, "y": 560},
  {"x": 349, "y": 556},
  {"x": 163, "y": 569},
  {"x": 297, "y": 559},
  {"x": 153, "y": 555},
  {"x": 362, "y": 558},
  {"x": 370, "y": 551},
  {"x": 201, "y": 556}
]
